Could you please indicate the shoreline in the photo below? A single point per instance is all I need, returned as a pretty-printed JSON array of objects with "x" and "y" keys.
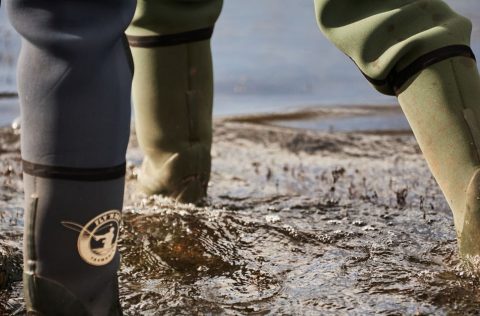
[
  {"x": 373, "y": 119},
  {"x": 334, "y": 118}
]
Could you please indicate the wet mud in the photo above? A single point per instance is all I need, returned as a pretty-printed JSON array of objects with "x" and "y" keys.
[
  {"x": 359, "y": 118},
  {"x": 296, "y": 223}
]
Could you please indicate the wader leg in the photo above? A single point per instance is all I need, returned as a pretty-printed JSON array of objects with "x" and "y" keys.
[
  {"x": 442, "y": 105},
  {"x": 173, "y": 94},
  {"x": 74, "y": 87},
  {"x": 419, "y": 51}
]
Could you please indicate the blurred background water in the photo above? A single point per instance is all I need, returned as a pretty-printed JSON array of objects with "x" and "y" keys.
[{"x": 269, "y": 57}]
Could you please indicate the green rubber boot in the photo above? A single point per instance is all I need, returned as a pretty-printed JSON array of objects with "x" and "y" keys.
[
  {"x": 442, "y": 105},
  {"x": 429, "y": 65},
  {"x": 173, "y": 95}
]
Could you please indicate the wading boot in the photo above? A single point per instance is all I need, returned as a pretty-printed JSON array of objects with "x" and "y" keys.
[
  {"x": 74, "y": 84},
  {"x": 173, "y": 95},
  {"x": 442, "y": 105},
  {"x": 428, "y": 64},
  {"x": 70, "y": 244}
]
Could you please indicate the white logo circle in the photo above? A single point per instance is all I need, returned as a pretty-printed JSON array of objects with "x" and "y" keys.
[{"x": 97, "y": 242}]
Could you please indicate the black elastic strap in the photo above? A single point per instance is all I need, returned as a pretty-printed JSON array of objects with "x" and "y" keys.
[
  {"x": 170, "y": 39},
  {"x": 74, "y": 174},
  {"x": 396, "y": 80}
]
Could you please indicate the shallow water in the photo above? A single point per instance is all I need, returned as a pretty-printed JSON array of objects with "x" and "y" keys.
[{"x": 302, "y": 223}]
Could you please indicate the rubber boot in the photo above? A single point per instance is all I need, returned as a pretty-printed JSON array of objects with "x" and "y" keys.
[
  {"x": 442, "y": 105},
  {"x": 429, "y": 65},
  {"x": 70, "y": 246},
  {"x": 74, "y": 84},
  {"x": 173, "y": 95}
]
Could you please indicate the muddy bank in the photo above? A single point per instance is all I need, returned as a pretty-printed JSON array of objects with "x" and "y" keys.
[
  {"x": 372, "y": 119},
  {"x": 297, "y": 222}
]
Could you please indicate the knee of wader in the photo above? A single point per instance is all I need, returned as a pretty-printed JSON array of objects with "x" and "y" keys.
[
  {"x": 388, "y": 40},
  {"x": 170, "y": 174},
  {"x": 166, "y": 17},
  {"x": 65, "y": 28}
]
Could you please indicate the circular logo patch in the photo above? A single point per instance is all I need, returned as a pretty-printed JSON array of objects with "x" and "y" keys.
[{"x": 97, "y": 241}]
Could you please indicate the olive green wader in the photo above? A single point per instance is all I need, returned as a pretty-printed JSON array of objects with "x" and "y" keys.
[
  {"x": 419, "y": 51},
  {"x": 173, "y": 94}
]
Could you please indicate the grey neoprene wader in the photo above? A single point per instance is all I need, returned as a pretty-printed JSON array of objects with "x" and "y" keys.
[{"x": 74, "y": 85}]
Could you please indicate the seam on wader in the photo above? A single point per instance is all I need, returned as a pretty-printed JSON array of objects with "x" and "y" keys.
[
  {"x": 474, "y": 130},
  {"x": 191, "y": 96},
  {"x": 30, "y": 248},
  {"x": 191, "y": 101},
  {"x": 468, "y": 115},
  {"x": 191, "y": 108}
]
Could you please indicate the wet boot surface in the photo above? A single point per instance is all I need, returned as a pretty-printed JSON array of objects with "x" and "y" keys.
[{"x": 296, "y": 222}]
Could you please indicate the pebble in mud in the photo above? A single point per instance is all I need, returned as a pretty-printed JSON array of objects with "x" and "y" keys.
[
  {"x": 359, "y": 223},
  {"x": 272, "y": 219}
]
